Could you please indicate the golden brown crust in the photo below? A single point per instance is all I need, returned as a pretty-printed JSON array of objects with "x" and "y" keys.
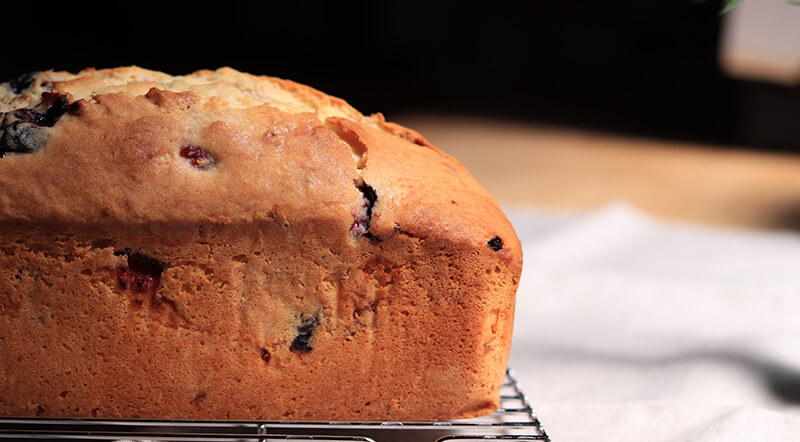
[
  {"x": 227, "y": 246},
  {"x": 402, "y": 132}
]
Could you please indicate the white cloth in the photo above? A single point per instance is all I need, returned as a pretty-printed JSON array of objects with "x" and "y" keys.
[{"x": 634, "y": 329}]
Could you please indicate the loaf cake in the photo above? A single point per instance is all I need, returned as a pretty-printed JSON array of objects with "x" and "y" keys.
[{"x": 227, "y": 246}]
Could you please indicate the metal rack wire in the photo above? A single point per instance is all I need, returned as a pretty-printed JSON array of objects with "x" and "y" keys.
[{"x": 515, "y": 420}]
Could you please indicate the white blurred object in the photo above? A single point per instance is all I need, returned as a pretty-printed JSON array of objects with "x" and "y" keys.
[
  {"x": 629, "y": 328},
  {"x": 761, "y": 41}
]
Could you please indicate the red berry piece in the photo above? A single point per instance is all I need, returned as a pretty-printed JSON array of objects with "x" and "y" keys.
[
  {"x": 363, "y": 215},
  {"x": 141, "y": 277},
  {"x": 197, "y": 157}
]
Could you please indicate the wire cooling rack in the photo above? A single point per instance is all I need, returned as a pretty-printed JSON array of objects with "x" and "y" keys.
[{"x": 515, "y": 420}]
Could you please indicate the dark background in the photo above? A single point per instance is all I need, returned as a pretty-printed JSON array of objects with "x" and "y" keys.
[{"x": 646, "y": 67}]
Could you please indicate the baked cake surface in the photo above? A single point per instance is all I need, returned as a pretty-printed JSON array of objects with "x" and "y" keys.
[{"x": 228, "y": 246}]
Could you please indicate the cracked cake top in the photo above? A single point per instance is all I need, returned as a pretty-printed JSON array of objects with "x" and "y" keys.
[{"x": 130, "y": 145}]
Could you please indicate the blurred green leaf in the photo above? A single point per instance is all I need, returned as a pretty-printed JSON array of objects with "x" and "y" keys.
[
  {"x": 729, "y": 6},
  {"x": 731, "y": 3}
]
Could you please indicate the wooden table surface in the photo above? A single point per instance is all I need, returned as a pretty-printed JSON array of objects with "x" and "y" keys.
[{"x": 572, "y": 170}]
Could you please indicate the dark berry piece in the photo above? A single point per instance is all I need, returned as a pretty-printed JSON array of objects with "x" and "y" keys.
[
  {"x": 20, "y": 136},
  {"x": 302, "y": 342},
  {"x": 265, "y": 355},
  {"x": 374, "y": 239},
  {"x": 370, "y": 198},
  {"x": 363, "y": 215},
  {"x": 141, "y": 277},
  {"x": 496, "y": 243},
  {"x": 307, "y": 324},
  {"x": 199, "y": 398},
  {"x": 197, "y": 157},
  {"x": 55, "y": 106},
  {"x": 22, "y": 82},
  {"x": 146, "y": 265},
  {"x": 20, "y": 129}
]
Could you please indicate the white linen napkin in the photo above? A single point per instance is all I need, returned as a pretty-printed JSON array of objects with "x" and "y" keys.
[{"x": 634, "y": 329}]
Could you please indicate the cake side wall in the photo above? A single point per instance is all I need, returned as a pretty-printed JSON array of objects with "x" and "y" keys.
[{"x": 269, "y": 324}]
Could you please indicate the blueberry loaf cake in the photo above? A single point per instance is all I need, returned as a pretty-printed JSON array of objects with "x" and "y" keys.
[{"x": 228, "y": 246}]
